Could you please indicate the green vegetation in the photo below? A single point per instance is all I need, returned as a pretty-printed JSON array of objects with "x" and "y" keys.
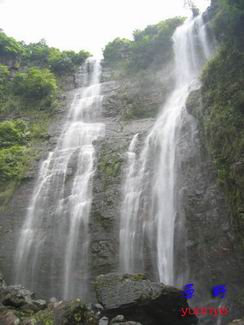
[
  {"x": 9, "y": 47},
  {"x": 13, "y": 132},
  {"x": 13, "y": 161},
  {"x": 153, "y": 45},
  {"x": 223, "y": 103},
  {"x": 40, "y": 55},
  {"x": 136, "y": 277},
  {"x": 110, "y": 165},
  {"x": 138, "y": 63},
  {"x": 35, "y": 85},
  {"x": 30, "y": 84},
  {"x": 228, "y": 23},
  {"x": 14, "y": 155}
]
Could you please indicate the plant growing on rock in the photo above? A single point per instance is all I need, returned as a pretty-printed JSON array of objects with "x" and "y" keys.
[{"x": 36, "y": 85}]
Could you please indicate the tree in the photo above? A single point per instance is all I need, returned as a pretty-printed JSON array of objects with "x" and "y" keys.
[
  {"x": 35, "y": 84},
  {"x": 9, "y": 47}
]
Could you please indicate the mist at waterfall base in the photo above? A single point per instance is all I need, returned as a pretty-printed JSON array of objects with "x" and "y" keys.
[
  {"x": 61, "y": 201},
  {"x": 150, "y": 196}
]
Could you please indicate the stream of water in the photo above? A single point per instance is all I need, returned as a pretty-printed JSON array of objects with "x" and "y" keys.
[
  {"x": 148, "y": 212},
  {"x": 52, "y": 250}
]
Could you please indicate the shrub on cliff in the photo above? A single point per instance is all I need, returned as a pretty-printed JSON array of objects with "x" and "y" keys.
[
  {"x": 118, "y": 50},
  {"x": 38, "y": 85},
  {"x": 4, "y": 78},
  {"x": 13, "y": 163},
  {"x": 66, "y": 61},
  {"x": 59, "y": 62},
  {"x": 9, "y": 47},
  {"x": 4, "y": 73},
  {"x": 13, "y": 132},
  {"x": 223, "y": 102},
  {"x": 228, "y": 23},
  {"x": 151, "y": 45}
]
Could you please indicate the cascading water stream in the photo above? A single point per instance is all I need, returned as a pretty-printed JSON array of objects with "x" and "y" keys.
[
  {"x": 131, "y": 199},
  {"x": 52, "y": 250},
  {"x": 148, "y": 212}
]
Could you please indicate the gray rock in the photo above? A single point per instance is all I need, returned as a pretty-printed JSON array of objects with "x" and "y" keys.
[
  {"x": 120, "y": 320},
  {"x": 16, "y": 296},
  {"x": 21, "y": 299},
  {"x": 141, "y": 300},
  {"x": 53, "y": 300},
  {"x": 237, "y": 322},
  {"x": 117, "y": 319},
  {"x": 8, "y": 318},
  {"x": 40, "y": 303},
  {"x": 2, "y": 282},
  {"x": 73, "y": 313},
  {"x": 103, "y": 321}
]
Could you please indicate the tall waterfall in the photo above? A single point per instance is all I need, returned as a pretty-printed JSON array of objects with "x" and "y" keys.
[
  {"x": 148, "y": 213},
  {"x": 54, "y": 240}
]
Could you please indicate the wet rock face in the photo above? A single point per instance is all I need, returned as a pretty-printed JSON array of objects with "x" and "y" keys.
[
  {"x": 136, "y": 97},
  {"x": 18, "y": 306},
  {"x": 21, "y": 298},
  {"x": 8, "y": 317},
  {"x": 109, "y": 175},
  {"x": 2, "y": 282},
  {"x": 140, "y": 300},
  {"x": 12, "y": 217},
  {"x": 124, "y": 300},
  {"x": 212, "y": 250}
]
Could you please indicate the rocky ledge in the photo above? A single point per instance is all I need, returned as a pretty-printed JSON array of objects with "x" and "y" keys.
[{"x": 121, "y": 300}]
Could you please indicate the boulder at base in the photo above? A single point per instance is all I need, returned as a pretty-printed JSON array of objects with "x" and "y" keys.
[
  {"x": 237, "y": 322},
  {"x": 141, "y": 300}
]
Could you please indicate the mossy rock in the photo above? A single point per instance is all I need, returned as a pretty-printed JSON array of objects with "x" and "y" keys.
[
  {"x": 110, "y": 164},
  {"x": 193, "y": 103},
  {"x": 74, "y": 313},
  {"x": 44, "y": 317}
]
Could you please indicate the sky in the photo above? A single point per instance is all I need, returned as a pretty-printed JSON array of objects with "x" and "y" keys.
[{"x": 83, "y": 24}]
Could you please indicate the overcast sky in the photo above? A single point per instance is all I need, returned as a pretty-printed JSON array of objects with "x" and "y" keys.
[{"x": 83, "y": 24}]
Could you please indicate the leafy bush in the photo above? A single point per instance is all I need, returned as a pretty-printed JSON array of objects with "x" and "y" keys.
[
  {"x": 4, "y": 78},
  {"x": 228, "y": 23},
  {"x": 154, "y": 43},
  {"x": 13, "y": 163},
  {"x": 4, "y": 73},
  {"x": 36, "y": 85},
  {"x": 9, "y": 47},
  {"x": 117, "y": 50},
  {"x": 66, "y": 61},
  {"x": 13, "y": 132},
  {"x": 60, "y": 62},
  {"x": 151, "y": 45},
  {"x": 37, "y": 53}
]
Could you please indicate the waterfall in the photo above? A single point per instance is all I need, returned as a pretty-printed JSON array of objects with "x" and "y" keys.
[
  {"x": 148, "y": 213},
  {"x": 130, "y": 204},
  {"x": 52, "y": 250}
]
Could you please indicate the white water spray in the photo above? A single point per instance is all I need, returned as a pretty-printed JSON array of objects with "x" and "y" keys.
[
  {"x": 149, "y": 198},
  {"x": 54, "y": 240}
]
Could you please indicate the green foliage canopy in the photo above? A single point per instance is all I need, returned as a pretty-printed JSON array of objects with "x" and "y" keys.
[
  {"x": 13, "y": 132},
  {"x": 9, "y": 47},
  {"x": 35, "y": 84},
  {"x": 223, "y": 102},
  {"x": 13, "y": 161},
  {"x": 229, "y": 23},
  {"x": 59, "y": 62},
  {"x": 151, "y": 45}
]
